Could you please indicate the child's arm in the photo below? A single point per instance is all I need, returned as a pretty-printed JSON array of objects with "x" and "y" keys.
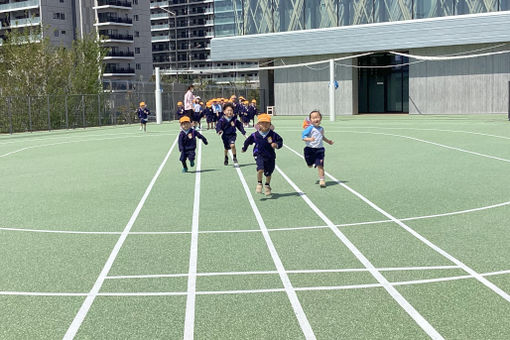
[
  {"x": 219, "y": 126},
  {"x": 277, "y": 142},
  {"x": 181, "y": 147},
  {"x": 199, "y": 135},
  {"x": 249, "y": 141},
  {"x": 329, "y": 141},
  {"x": 306, "y": 132},
  {"x": 240, "y": 127}
]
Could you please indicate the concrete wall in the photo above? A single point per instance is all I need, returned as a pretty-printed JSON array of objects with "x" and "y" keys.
[
  {"x": 297, "y": 91},
  {"x": 478, "y": 85}
]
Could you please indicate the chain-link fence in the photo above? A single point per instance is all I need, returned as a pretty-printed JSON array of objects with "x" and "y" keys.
[{"x": 51, "y": 112}]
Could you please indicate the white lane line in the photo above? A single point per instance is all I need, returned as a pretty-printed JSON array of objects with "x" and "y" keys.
[
  {"x": 462, "y": 265},
  {"x": 40, "y": 294},
  {"x": 357, "y": 286},
  {"x": 189, "y": 321},
  {"x": 413, "y": 313},
  {"x": 74, "y": 141},
  {"x": 300, "y": 271},
  {"x": 91, "y": 296},
  {"x": 68, "y": 137},
  {"x": 432, "y": 143},
  {"x": 255, "y": 230},
  {"x": 289, "y": 289}
]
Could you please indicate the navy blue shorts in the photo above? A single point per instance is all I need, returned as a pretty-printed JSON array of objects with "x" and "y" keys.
[
  {"x": 187, "y": 154},
  {"x": 143, "y": 120},
  {"x": 196, "y": 117},
  {"x": 314, "y": 156},
  {"x": 210, "y": 119},
  {"x": 228, "y": 140},
  {"x": 266, "y": 164}
]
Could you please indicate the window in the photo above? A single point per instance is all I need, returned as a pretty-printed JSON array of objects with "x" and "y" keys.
[
  {"x": 137, "y": 34},
  {"x": 61, "y": 1},
  {"x": 59, "y": 16},
  {"x": 135, "y": 2},
  {"x": 138, "y": 66},
  {"x": 63, "y": 32},
  {"x": 55, "y": 33},
  {"x": 135, "y": 17},
  {"x": 137, "y": 50}
]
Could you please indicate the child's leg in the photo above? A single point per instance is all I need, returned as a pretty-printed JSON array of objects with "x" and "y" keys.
[
  {"x": 322, "y": 183},
  {"x": 225, "y": 162},
  {"x": 258, "y": 190},
  {"x": 267, "y": 186},
  {"x": 144, "y": 127},
  {"x": 234, "y": 153}
]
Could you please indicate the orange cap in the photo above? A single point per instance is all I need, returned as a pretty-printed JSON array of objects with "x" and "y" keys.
[
  {"x": 264, "y": 117},
  {"x": 142, "y": 103},
  {"x": 179, "y": 103},
  {"x": 184, "y": 119}
]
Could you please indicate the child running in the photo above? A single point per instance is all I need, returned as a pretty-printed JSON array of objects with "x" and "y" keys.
[
  {"x": 188, "y": 142},
  {"x": 226, "y": 128},
  {"x": 265, "y": 140},
  {"x": 313, "y": 135},
  {"x": 143, "y": 113}
]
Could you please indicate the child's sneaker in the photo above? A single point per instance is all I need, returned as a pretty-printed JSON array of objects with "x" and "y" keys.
[
  {"x": 184, "y": 170},
  {"x": 192, "y": 163},
  {"x": 235, "y": 159},
  {"x": 267, "y": 190},
  {"x": 258, "y": 189},
  {"x": 322, "y": 183},
  {"x": 225, "y": 162}
]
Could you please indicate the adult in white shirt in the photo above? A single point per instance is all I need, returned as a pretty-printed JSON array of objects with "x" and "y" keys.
[{"x": 189, "y": 98}]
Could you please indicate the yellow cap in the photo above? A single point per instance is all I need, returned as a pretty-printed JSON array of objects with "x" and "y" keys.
[
  {"x": 254, "y": 101},
  {"x": 264, "y": 117},
  {"x": 184, "y": 119},
  {"x": 179, "y": 103},
  {"x": 142, "y": 103}
]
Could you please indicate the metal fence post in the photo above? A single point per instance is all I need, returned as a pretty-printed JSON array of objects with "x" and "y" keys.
[
  {"x": 67, "y": 112},
  {"x": 49, "y": 117},
  {"x": 83, "y": 110},
  {"x": 99, "y": 109},
  {"x": 10, "y": 114},
  {"x": 29, "y": 114}
]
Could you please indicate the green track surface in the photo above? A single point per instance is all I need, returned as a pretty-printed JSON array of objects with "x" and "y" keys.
[{"x": 440, "y": 176}]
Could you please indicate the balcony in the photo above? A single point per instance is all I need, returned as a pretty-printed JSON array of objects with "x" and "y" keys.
[
  {"x": 16, "y": 6},
  {"x": 21, "y": 22},
  {"x": 160, "y": 16},
  {"x": 105, "y": 37},
  {"x": 116, "y": 70},
  {"x": 160, "y": 27},
  {"x": 113, "y": 3},
  {"x": 112, "y": 20},
  {"x": 128, "y": 55},
  {"x": 160, "y": 38}
]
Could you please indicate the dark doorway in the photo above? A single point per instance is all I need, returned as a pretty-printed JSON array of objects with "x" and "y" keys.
[{"x": 383, "y": 89}]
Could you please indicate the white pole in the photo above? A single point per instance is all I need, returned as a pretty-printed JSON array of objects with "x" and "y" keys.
[
  {"x": 159, "y": 114},
  {"x": 332, "y": 90}
]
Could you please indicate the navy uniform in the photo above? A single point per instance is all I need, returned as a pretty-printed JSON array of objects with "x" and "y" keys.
[
  {"x": 188, "y": 144},
  {"x": 263, "y": 152},
  {"x": 229, "y": 130},
  {"x": 252, "y": 112},
  {"x": 179, "y": 113}
]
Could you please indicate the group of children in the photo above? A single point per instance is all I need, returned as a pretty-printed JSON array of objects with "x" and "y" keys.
[
  {"x": 265, "y": 141},
  {"x": 213, "y": 111}
]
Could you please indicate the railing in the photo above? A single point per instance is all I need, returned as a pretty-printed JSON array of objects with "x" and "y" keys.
[
  {"x": 119, "y": 70},
  {"x": 105, "y": 19},
  {"x": 25, "y": 22},
  {"x": 160, "y": 38},
  {"x": 17, "y": 5},
  {"x": 114, "y": 3},
  {"x": 112, "y": 36},
  {"x": 120, "y": 54}
]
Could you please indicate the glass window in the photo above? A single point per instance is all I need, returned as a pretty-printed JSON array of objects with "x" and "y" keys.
[
  {"x": 432, "y": 8},
  {"x": 355, "y": 12},
  {"x": 505, "y": 5},
  {"x": 228, "y": 18},
  {"x": 475, "y": 6},
  {"x": 392, "y": 10},
  {"x": 288, "y": 15},
  {"x": 258, "y": 16},
  {"x": 323, "y": 14}
]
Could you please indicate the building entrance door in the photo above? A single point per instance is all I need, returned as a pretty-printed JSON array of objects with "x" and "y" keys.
[{"x": 383, "y": 88}]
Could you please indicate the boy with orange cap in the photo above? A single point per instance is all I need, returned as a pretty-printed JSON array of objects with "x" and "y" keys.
[
  {"x": 266, "y": 141},
  {"x": 180, "y": 110},
  {"x": 209, "y": 115},
  {"x": 226, "y": 128},
  {"x": 143, "y": 113},
  {"x": 252, "y": 111},
  {"x": 188, "y": 142}
]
